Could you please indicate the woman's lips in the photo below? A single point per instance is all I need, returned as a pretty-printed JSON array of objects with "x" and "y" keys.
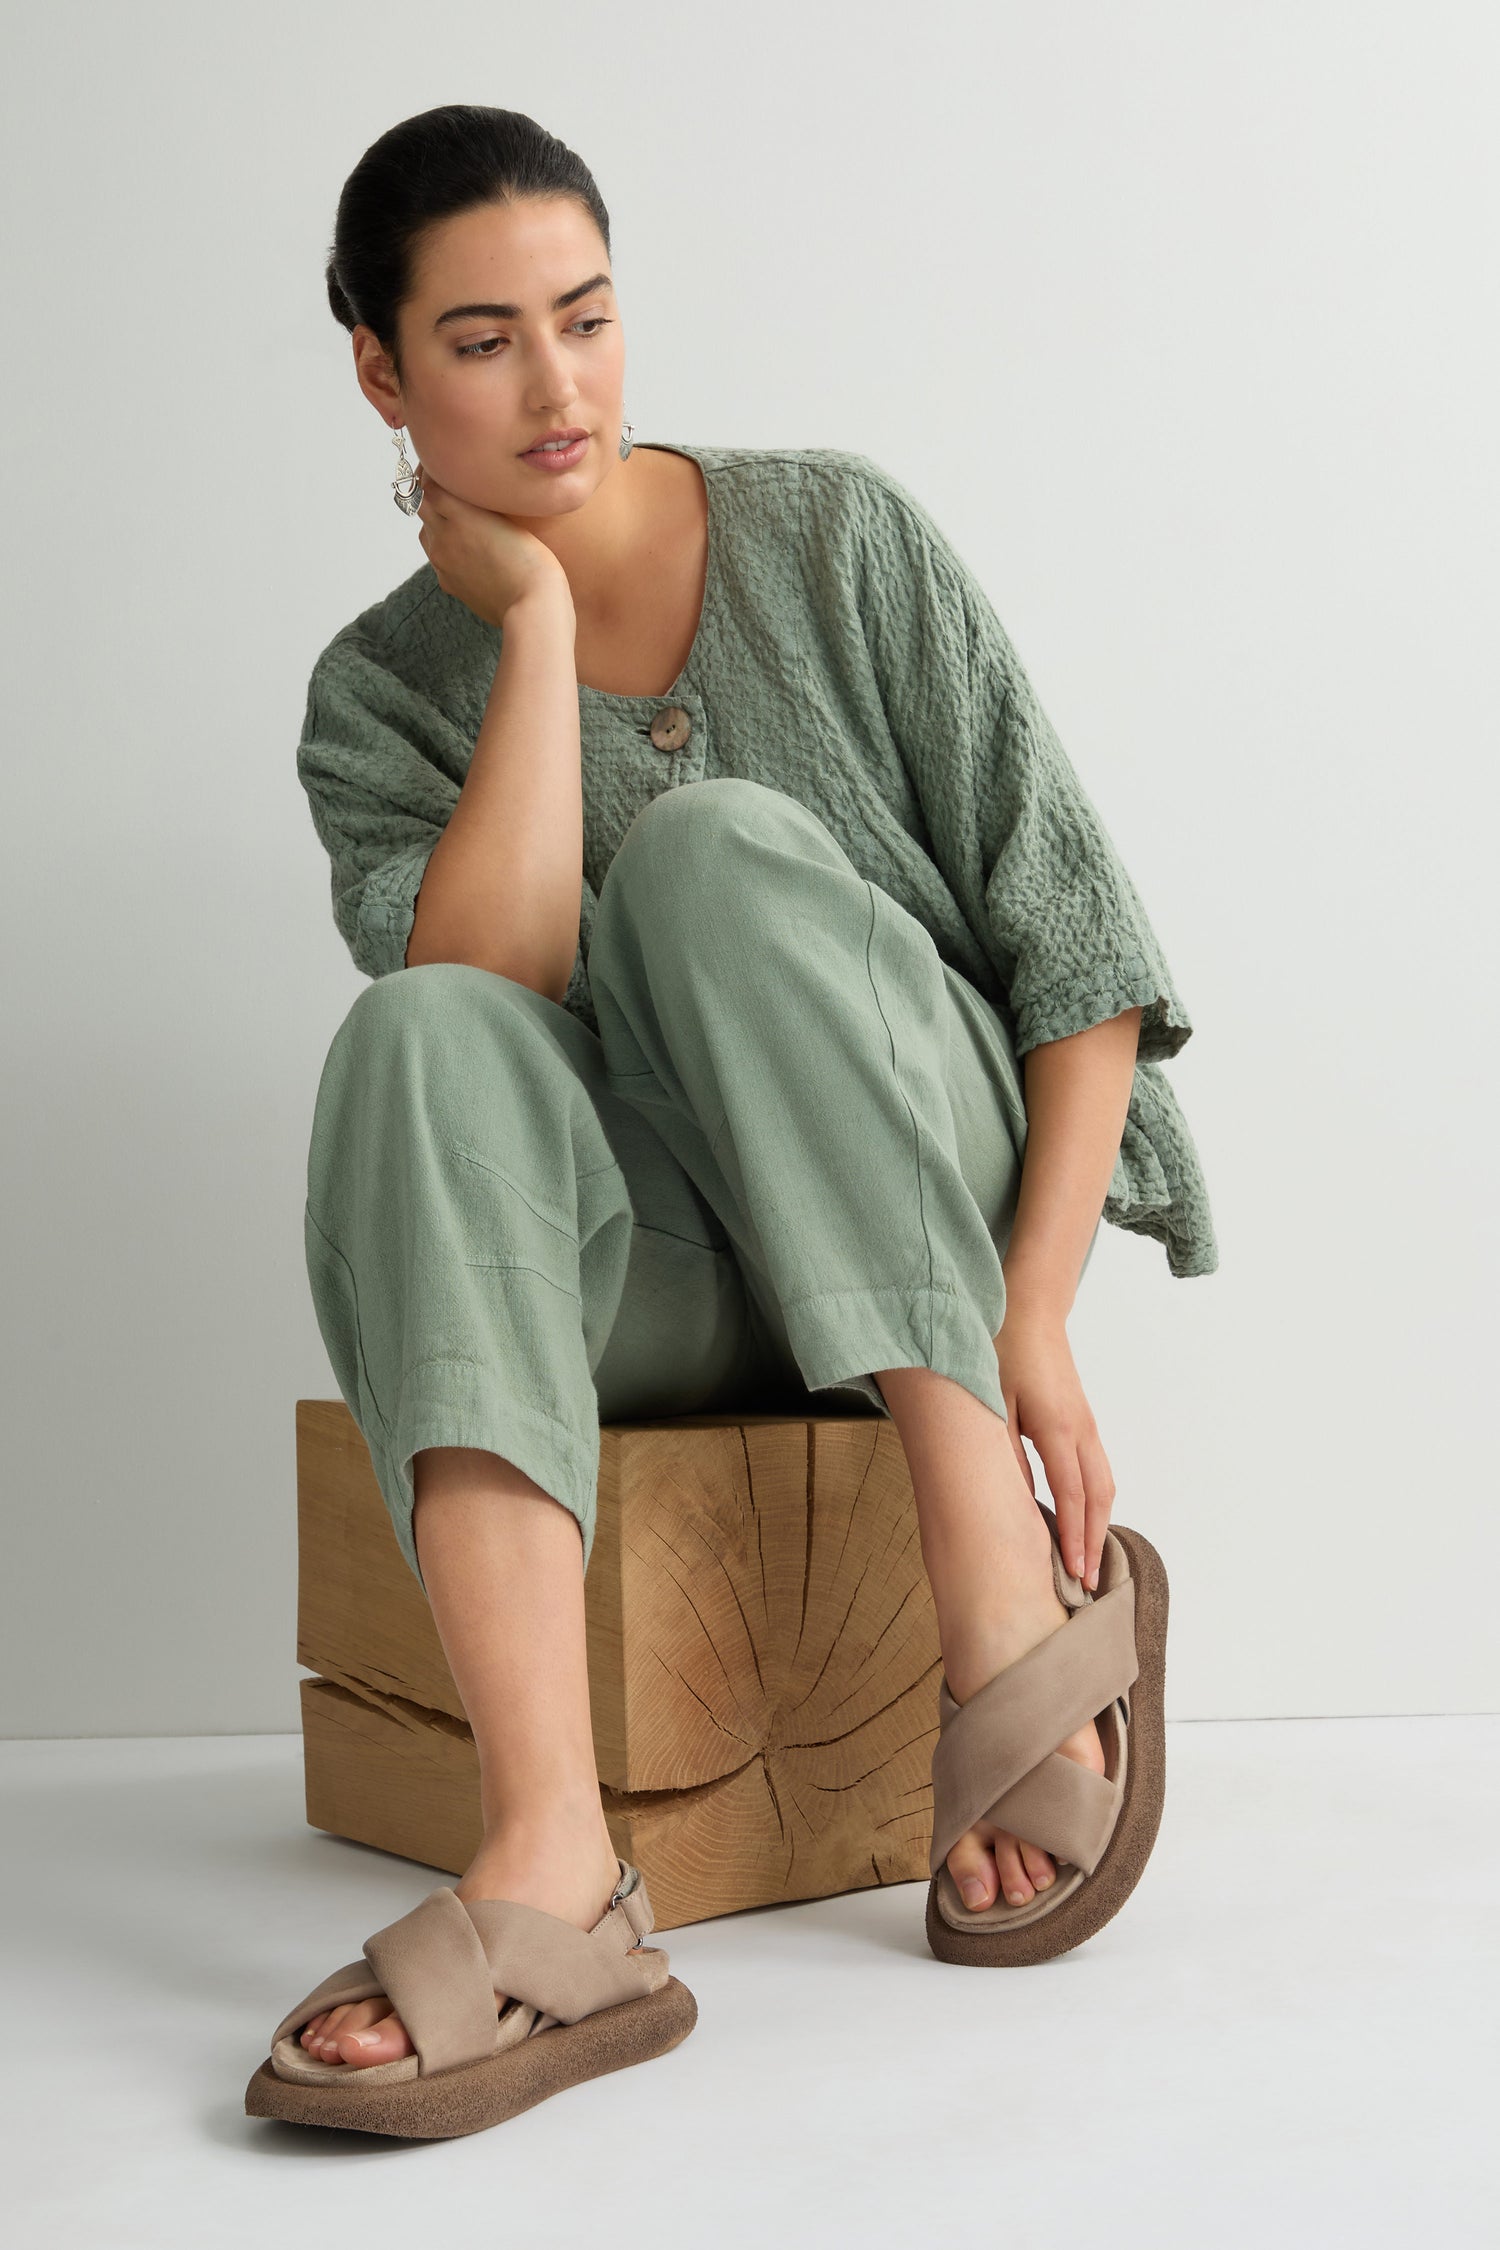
[{"x": 558, "y": 458}]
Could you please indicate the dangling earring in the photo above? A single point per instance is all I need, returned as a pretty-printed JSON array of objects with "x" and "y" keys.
[
  {"x": 410, "y": 500},
  {"x": 626, "y": 441}
]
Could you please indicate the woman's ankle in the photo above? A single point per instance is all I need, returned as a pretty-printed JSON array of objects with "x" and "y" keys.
[
  {"x": 563, "y": 1862},
  {"x": 990, "y": 1616},
  {"x": 987, "y": 1563},
  {"x": 543, "y": 1825}
]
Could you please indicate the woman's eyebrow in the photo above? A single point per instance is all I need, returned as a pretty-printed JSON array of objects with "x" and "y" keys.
[{"x": 513, "y": 312}]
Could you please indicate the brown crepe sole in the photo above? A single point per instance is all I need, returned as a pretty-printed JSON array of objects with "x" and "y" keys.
[
  {"x": 473, "y": 2095},
  {"x": 1102, "y": 1894}
]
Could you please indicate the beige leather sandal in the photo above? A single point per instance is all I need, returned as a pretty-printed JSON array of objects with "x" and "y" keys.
[
  {"x": 996, "y": 1760},
  {"x": 576, "y": 2003}
]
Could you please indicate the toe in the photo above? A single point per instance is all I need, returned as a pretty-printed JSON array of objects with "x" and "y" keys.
[
  {"x": 972, "y": 1866},
  {"x": 324, "y": 2041},
  {"x": 382, "y": 2041},
  {"x": 340, "y": 2022},
  {"x": 1038, "y": 1865},
  {"x": 1014, "y": 1880}
]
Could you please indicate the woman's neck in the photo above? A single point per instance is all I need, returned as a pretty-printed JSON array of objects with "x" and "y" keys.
[{"x": 604, "y": 545}]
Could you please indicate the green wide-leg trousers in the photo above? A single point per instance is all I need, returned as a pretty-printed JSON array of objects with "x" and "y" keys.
[{"x": 789, "y": 1158}]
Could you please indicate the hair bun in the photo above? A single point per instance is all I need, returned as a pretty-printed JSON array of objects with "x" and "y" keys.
[{"x": 338, "y": 299}]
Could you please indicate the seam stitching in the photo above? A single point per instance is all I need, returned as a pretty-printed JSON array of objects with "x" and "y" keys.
[
  {"x": 916, "y": 1133},
  {"x": 359, "y": 1334}
]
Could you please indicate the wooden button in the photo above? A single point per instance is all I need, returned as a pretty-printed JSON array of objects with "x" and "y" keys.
[{"x": 671, "y": 727}]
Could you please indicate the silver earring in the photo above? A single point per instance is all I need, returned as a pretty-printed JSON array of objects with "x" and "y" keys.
[
  {"x": 410, "y": 500},
  {"x": 626, "y": 441}
]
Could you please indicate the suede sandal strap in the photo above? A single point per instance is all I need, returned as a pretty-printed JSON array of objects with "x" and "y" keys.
[
  {"x": 565, "y": 1972},
  {"x": 432, "y": 1967},
  {"x": 445, "y": 1967},
  {"x": 1061, "y": 1807},
  {"x": 1014, "y": 1723}
]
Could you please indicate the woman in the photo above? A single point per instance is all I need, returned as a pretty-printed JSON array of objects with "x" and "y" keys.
[{"x": 715, "y": 867}]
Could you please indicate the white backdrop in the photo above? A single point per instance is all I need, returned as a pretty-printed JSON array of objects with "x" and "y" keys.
[{"x": 1182, "y": 321}]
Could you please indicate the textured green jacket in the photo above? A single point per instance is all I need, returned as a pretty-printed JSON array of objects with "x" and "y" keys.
[{"x": 845, "y": 655}]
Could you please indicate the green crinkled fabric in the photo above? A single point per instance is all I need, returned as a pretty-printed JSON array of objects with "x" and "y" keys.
[{"x": 847, "y": 655}]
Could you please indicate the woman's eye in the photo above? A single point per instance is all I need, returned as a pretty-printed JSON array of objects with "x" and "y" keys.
[{"x": 481, "y": 350}]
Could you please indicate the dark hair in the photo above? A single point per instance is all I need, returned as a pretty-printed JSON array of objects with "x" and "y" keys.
[{"x": 428, "y": 168}]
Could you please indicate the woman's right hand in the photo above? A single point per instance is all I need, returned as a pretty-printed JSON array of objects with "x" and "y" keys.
[{"x": 480, "y": 556}]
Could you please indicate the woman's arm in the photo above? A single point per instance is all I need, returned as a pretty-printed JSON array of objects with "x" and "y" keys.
[
  {"x": 1008, "y": 822},
  {"x": 1077, "y": 1094},
  {"x": 501, "y": 889},
  {"x": 444, "y": 847},
  {"x": 1004, "y": 816}
]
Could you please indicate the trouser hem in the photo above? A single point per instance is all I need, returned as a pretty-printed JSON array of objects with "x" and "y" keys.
[
  {"x": 450, "y": 1401},
  {"x": 840, "y": 1336}
]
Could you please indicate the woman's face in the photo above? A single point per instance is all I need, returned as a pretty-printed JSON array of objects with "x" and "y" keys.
[{"x": 495, "y": 359}]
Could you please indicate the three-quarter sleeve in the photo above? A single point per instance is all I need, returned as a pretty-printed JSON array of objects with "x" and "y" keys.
[
  {"x": 1016, "y": 836},
  {"x": 382, "y": 764},
  {"x": 377, "y": 760}
]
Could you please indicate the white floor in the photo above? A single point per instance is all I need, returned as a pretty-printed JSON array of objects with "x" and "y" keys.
[{"x": 1286, "y": 2034}]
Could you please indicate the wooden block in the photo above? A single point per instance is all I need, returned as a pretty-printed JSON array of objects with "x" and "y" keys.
[
  {"x": 362, "y": 1618},
  {"x": 397, "y": 1777},
  {"x": 762, "y": 1650}
]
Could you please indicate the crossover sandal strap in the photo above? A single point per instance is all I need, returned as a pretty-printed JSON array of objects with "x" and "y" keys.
[
  {"x": 1010, "y": 1730},
  {"x": 561, "y": 1970},
  {"x": 1061, "y": 1807},
  {"x": 445, "y": 1965},
  {"x": 432, "y": 1966}
]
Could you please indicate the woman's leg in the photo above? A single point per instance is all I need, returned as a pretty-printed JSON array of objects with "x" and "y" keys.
[
  {"x": 988, "y": 1558},
  {"x": 468, "y": 1230},
  {"x": 859, "y": 1124},
  {"x": 488, "y": 1227},
  {"x": 500, "y": 1561}
]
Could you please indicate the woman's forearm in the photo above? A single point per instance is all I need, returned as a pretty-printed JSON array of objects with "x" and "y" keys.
[
  {"x": 1077, "y": 1095},
  {"x": 503, "y": 886}
]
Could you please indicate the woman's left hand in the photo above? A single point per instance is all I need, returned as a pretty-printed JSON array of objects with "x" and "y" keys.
[{"x": 1045, "y": 1402}]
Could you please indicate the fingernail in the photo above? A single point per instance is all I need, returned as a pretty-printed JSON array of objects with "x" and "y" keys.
[
  {"x": 1041, "y": 1881},
  {"x": 974, "y": 1891},
  {"x": 365, "y": 2038},
  {"x": 1078, "y": 1568},
  {"x": 1016, "y": 1897}
]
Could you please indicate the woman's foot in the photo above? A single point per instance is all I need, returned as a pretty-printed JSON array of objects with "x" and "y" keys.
[
  {"x": 568, "y": 1869},
  {"x": 987, "y": 1860},
  {"x": 987, "y": 1548}
]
